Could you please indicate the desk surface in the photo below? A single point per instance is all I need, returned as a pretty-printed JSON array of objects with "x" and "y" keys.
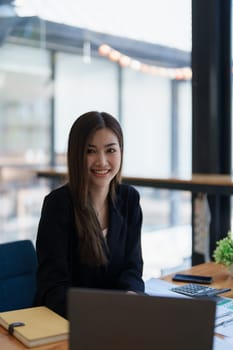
[
  {"x": 221, "y": 277},
  {"x": 219, "y": 273},
  {"x": 8, "y": 342},
  {"x": 208, "y": 183}
]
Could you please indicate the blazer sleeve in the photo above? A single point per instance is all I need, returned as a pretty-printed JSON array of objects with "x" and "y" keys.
[
  {"x": 131, "y": 275},
  {"x": 52, "y": 246}
]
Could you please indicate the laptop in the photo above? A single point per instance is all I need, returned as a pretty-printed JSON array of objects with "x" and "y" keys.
[{"x": 108, "y": 320}]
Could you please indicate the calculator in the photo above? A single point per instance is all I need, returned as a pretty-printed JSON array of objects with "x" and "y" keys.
[{"x": 197, "y": 290}]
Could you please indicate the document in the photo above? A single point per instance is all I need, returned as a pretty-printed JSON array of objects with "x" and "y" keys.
[
  {"x": 224, "y": 317},
  {"x": 158, "y": 287},
  {"x": 221, "y": 344}
]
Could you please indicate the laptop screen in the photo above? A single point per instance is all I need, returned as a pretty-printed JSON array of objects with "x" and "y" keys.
[{"x": 107, "y": 320}]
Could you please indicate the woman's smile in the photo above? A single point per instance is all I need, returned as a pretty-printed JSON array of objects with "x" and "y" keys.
[{"x": 100, "y": 172}]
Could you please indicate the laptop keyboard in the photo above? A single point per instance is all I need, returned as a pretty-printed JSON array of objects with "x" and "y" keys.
[{"x": 196, "y": 290}]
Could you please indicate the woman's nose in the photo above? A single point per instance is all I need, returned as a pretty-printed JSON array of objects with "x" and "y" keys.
[{"x": 101, "y": 159}]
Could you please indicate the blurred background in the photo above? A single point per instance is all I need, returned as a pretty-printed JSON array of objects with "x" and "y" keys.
[{"x": 59, "y": 59}]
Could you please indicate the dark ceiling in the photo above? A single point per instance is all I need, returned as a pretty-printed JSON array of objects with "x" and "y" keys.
[{"x": 32, "y": 30}]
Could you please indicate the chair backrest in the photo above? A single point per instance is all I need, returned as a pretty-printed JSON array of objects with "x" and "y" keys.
[{"x": 18, "y": 265}]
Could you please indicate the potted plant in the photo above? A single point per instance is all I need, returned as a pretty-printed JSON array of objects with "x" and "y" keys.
[{"x": 223, "y": 253}]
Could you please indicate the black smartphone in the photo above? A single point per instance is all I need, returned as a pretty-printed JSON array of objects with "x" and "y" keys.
[{"x": 192, "y": 278}]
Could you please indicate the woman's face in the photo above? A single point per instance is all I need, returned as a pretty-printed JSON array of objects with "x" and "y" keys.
[{"x": 103, "y": 158}]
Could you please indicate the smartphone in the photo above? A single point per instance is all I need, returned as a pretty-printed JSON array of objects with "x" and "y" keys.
[{"x": 192, "y": 278}]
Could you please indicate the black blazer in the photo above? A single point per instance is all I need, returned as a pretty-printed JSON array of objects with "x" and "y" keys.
[{"x": 57, "y": 249}]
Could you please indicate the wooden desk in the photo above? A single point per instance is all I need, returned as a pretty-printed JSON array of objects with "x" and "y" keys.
[
  {"x": 57, "y": 173},
  {"x": 221, "y": 279},
  {"x": 211, "y": 183}
]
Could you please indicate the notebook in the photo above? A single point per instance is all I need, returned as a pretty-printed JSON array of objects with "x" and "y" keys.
[
  {"x": 35, "y": 326},
  {"x": 104, "y": 320}
]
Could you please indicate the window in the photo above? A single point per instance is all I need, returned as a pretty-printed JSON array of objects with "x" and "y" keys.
[{"x": 24, "y": 137}]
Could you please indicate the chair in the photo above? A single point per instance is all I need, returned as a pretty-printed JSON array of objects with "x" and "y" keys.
[{"x": 18, "y": 264}]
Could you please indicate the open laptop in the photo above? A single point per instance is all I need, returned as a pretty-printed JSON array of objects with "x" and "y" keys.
[{"x": 107, "y": 320}]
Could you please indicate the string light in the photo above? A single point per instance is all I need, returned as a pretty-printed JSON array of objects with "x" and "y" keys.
[{"x": 184, "y": 73}]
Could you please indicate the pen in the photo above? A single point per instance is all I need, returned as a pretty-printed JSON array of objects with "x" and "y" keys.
[
  {"x": 217, "y": 291},
  {"x": 224, "y": 323}
]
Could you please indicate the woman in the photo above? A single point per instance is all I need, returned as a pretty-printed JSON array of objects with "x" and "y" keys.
[{"x": 89, "y": 233}]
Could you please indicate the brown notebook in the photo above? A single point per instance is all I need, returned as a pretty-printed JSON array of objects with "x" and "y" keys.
[{"x": 40, "y": 325}]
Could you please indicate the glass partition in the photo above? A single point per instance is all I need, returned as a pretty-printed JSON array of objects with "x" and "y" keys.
[
  {"x": 25, "y": 129},
  {"x": 81, "y": 87}
]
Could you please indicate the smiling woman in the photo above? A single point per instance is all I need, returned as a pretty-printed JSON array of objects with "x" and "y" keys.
[
  {"x": 45, "y": 81},
  {"x": 90, "y": 228}
]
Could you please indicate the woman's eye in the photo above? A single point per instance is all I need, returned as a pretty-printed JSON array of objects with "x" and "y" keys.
[
  {"x": 90, "y": 150},
  {"x": 111, "y": 150}
]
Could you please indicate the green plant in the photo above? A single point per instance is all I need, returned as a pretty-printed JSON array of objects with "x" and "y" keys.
[{"x": 223, "y": 253}]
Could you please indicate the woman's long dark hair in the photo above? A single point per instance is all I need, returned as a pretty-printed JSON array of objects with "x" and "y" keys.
[{"x": 87, "y": 224}]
